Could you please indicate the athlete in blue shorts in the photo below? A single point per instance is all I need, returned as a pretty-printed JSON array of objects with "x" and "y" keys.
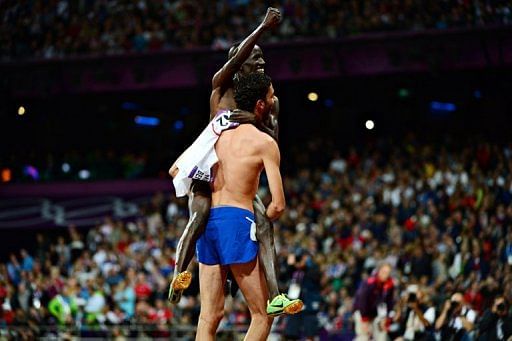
[
  {"x": 243, "y": 59},
  {"x": 229, "y": 237},
  {"x": 229, "y": 242}
]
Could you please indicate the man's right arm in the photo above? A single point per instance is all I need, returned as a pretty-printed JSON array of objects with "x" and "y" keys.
[
  {"x": 224, "y": 76},
  {"x": 271, "y": 160},
  {"x": 223, "y": 79}
]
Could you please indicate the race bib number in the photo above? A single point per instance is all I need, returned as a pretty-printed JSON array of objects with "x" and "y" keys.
[
  {"x": 198, "y": 174},
  {"x": 222, "y": 122}
]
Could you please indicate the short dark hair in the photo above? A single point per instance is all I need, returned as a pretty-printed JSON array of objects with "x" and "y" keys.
[{"x": 251, "y": 88}]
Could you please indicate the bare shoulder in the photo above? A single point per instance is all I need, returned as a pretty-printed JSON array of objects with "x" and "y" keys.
[
  {"x": 255, "y": 137},
  {"x": 264, "y": 141}
]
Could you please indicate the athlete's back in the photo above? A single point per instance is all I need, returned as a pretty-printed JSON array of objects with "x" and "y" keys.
[{"x": 241, "y": 154}]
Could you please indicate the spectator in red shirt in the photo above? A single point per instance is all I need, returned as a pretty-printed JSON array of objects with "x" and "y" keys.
[
  {"x": 143, "y": 289},
  {"x": 160, "y": 314},
  {"x": 474, "y": 298}
]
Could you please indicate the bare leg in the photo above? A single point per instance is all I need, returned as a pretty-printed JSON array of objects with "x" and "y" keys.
[
  {"x": 251, "y": 280},
  {"x": 267, "y": 249},
  {"x": 211, "y": 285},
  {"x": 199, "y": 209}
]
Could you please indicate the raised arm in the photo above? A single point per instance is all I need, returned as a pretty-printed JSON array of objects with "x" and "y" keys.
[
  {"x": 224, "y": 76},
  {"x": 271, "y": 160}
]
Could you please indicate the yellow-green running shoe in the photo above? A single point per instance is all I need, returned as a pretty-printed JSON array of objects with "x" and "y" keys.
[
  {"x": 178, "y": 284},
  {"x": 281, "y": 304}
]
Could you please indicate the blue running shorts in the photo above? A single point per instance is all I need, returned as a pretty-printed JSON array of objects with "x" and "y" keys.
[{"x": 229, "y": 237}]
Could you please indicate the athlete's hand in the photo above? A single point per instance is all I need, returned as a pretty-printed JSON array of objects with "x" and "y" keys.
[
  {"x": 243, "y": 117},
  {"x": 272, "y": 18}
]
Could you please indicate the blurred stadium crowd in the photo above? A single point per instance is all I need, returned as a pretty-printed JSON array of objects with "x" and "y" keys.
[
  {"x": 441, "y": 216},
  {"x": 79, "y": 165},
  {"x": 57, "y": 28}
]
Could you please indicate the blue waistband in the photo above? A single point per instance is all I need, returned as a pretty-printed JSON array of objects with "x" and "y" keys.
[{"x": 223, "y": 211}]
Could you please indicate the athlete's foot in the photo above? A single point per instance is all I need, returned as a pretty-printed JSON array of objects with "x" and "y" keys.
[
  {"x": 179, "y": 283},
  {"x": 281, "y": 304}
]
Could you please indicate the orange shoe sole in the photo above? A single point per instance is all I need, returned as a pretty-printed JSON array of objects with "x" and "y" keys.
[
  {"x": 294, "y": 308},
  {"x": 182, "y": 281}
]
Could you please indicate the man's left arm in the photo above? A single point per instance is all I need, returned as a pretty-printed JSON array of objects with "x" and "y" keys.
[{"x": 271, "y": 159}]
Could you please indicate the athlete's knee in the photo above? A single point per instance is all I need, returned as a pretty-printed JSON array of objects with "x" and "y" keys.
[
  {"x": 212, "y": 318},
  {"x": 195, "y": 227},
  {"x": 200, "y": 203},
  {"x": 262, "y": 319}
]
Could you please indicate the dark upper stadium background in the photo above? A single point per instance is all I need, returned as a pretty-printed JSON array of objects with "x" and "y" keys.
[{"x": 85, "y": 114}]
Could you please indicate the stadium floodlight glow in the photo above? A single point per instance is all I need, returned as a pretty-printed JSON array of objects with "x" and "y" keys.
[
  {"x": 147, "y": 121},
  {"x": 6, "y": 175},
  {"x": 21, "y": 110},
  {"x": 84, "y": 174},
  {"x": 66, "y": 167},
  {"x": 31, "y": 171},
  {"x": 369, "y": 124},
  {"x": 442, "y": 107},
  {"x": 313, "y": 96},
  {"x": 179, "y": 125}
]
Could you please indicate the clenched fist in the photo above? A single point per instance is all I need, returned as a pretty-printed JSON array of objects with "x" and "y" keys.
[{"x": 272, "y": 18}]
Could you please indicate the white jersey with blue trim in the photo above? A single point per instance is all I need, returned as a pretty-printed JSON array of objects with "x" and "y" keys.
[{"x": 197, "y": 162}]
